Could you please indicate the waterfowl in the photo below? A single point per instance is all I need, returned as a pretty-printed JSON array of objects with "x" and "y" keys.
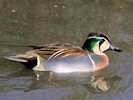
[{"x": 67, "y": 58}]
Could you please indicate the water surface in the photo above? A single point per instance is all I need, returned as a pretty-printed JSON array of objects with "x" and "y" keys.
[{"x": 26, "y": 22}]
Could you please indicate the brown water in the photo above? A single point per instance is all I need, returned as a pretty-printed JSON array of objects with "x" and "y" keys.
[{"x": 24, "y": 22}]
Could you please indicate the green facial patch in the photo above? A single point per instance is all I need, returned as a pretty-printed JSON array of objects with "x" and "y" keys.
[{"x": 90, "y": 43}]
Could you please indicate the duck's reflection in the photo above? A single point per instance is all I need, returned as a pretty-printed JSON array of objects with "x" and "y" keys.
[{"x": 95, "y": 82}]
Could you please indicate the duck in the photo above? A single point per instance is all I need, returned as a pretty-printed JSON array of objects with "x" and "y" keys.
[{"x": 69, "y": 58}]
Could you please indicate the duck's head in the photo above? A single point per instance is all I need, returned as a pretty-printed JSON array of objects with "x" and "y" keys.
[{"x": 98, "y": 43}]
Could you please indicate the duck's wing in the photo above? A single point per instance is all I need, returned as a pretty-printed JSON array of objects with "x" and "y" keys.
[
  {"x": 35, "y": 59},
  {"x": 47, "y": 51}
]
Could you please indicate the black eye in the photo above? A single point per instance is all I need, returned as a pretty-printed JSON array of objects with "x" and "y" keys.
[{"x": 101, "y": 42}]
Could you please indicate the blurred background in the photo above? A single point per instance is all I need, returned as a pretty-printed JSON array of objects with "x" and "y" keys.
[{"x": 34, "y": 22}]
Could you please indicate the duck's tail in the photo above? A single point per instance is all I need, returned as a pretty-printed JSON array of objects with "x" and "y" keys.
[
  {"x": 28, "y": 56},
  {"x": 16, "y": 58}
]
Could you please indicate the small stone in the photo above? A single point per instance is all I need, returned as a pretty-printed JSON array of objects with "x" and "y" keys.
[
  {"x": 104, "y": 17},
  {"x": 121, "y": 7},
  {"x": 55, "y": 6},
  {"x": 93, "y": 9},
  {"x": 56, "y": 14},
  {"x": 63, "y": 7},
  {"x": 13, "y": 10}
]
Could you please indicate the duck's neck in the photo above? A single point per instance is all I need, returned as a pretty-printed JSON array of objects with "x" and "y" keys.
[
  {"x": 105, "y": 60},
  {"x": 103, "y": 64}
]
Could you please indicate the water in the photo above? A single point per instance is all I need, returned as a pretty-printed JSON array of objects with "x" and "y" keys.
[{"x": 34, "y": 22}]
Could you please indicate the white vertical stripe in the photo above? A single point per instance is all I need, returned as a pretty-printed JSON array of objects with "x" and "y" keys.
[{"x": 92, "y": 61}]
